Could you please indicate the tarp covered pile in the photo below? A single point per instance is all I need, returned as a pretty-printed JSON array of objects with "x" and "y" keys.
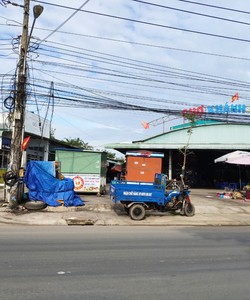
[{"x": 45, "y": 187}]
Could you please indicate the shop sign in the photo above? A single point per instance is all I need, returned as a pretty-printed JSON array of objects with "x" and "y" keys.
[
  {"x": 89, "y": 183},
  {"x": 196, "y": 111},
  {"x": 6, "y": 142},
  {"x": 36, "y": 125},
  {"x": 215, "y": 109}
]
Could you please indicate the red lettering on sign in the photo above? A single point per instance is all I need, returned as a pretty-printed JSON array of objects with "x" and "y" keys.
[{"x": 196, "y": 111}]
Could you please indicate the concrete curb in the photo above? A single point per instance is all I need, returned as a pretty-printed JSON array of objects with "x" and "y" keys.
[
  {"x": 100, "y": 211},
  {"x": 114, "y": 216}
]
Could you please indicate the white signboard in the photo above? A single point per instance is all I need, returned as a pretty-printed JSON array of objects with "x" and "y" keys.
[
  {"x": 88, "y": 183},
  {"x": 35, "y": 125}
]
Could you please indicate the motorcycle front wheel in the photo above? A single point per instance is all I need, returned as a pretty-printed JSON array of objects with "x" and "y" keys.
[{"x": 189, "y": 210}]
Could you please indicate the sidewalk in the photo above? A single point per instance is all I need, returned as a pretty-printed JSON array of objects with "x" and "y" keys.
[{"x": 99, "y": 211}]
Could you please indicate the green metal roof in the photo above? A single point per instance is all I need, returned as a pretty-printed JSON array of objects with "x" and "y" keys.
[{"x": 210, "y": 136}]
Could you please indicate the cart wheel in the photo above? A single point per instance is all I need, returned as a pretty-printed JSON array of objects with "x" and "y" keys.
[
  {"x": 137, "y": 212},
  {"x": 189, "y": 210},
  {"x": 35, "y": 205}
]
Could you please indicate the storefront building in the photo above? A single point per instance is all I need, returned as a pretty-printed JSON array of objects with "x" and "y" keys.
[
  {"x": 205, "y": 142},
  {"x": 37, "y": 128}
]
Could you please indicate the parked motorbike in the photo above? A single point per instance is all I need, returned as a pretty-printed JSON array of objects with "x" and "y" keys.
[{"x": 178, "y": 199}]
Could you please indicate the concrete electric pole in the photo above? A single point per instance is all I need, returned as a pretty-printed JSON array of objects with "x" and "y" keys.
[
  {"x": 20, "y": 102},
  {"x": 19, "y": 109}
]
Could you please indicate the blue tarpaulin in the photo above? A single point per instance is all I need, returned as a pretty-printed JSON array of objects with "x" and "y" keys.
[{"x": 45, "y": 187}]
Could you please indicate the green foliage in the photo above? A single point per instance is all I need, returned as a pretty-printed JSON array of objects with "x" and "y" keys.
[
  {"x": 111, "y": 155},
  {"x": 78, "y": 143},
  {"x": 192, "y": 118}
]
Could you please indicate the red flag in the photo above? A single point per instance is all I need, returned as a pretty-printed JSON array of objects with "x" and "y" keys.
[
  {"x": 25, "y": 143},
  {"x": 235, "y": 97},
  {"x": 145, "y": 125}
]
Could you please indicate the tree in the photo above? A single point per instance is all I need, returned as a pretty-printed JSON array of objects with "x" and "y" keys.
[
  {"x": 112, "y": 155},
  {"x": 192, "y": 118},
  {"x": 78, "y": 143}
]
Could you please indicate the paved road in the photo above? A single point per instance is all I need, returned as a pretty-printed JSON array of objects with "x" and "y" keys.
[{"x": 124, "y": 263}]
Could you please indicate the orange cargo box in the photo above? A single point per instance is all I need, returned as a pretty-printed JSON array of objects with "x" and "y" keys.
[{"x": 142, "y": 165}]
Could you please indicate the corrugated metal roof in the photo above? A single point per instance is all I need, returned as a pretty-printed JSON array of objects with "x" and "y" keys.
[{"x": 211, "y": 136}]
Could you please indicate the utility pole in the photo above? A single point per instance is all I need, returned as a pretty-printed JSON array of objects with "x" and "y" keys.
[{"x": 19, "y": 109}]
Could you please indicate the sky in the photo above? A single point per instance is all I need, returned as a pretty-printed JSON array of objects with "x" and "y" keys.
[{"x": 97, "y": 72}]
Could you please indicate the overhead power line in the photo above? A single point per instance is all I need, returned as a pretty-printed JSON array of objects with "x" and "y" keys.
[
  {"x": 140, "y": 44},
  {"x": 136, "y": 64},
  {"x": 151, "y": 24},
  {"x": 135, "y": 71},
  {"x": 191, "y": 12},
  {"x": 147, "y": 45},
  {"x": 216, "y": 6},
  {"x": 63, "y": 23},
  {"x": 111, "y": 104}
]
